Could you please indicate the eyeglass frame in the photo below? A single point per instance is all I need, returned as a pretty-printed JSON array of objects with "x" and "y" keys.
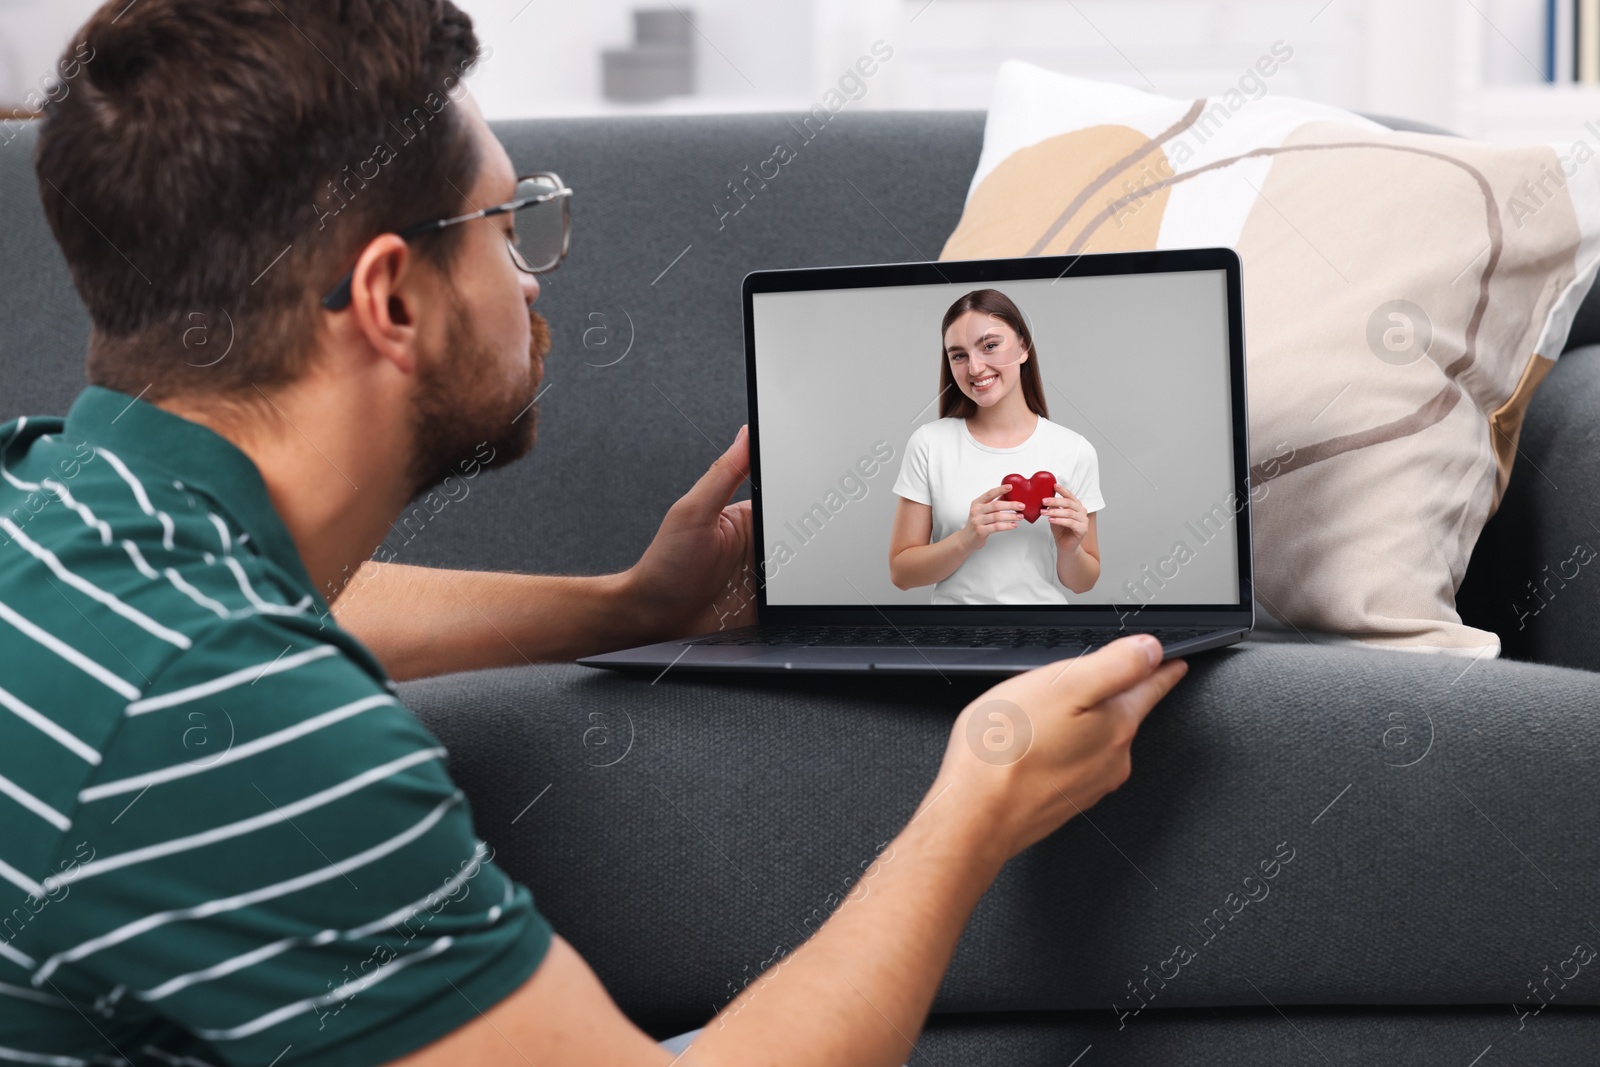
[{"x": 338, "y": 298}]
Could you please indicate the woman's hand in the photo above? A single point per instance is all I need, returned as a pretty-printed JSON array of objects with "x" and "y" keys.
[
  {"x": 1069, "y": 522},
  {"x": 989, "y": 514}
]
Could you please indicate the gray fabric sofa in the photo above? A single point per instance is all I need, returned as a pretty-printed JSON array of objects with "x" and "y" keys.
[{"x": 1429, "y": 823}]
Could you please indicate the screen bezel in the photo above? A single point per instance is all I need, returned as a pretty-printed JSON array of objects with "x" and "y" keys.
[{"x": 961, "y": 272}]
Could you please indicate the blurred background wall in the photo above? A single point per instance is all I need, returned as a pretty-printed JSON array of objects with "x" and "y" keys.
[{"x": 1473, "y": 66}]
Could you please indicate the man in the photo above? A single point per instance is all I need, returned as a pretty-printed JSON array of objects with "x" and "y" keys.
[{"x": 225, "y": 840}]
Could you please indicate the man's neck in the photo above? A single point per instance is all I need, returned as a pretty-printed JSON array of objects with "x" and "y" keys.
[{"x": 327, "y": 464}]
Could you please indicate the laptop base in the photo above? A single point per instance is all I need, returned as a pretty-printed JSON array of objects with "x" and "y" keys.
[{"x": 695, "y": 654}]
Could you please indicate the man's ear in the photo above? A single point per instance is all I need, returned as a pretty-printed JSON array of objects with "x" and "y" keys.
[{"x": 382, "y": 300}]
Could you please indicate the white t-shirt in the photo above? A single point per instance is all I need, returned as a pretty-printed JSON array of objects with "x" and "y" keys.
[{"x": 947, "y": 468}]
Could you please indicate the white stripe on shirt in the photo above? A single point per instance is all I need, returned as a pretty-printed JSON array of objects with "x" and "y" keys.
[
  {"x": 344, "y": 992},
  {"x": 222, "y": 532},
  {"x": 181, "y": 1061},
  {"x": 18, "y": 992},
  {"x": 236, "y": 963},
  {"x": 89, "y": 589},
  {"x": 140, "y": 496},
  {"x": 451, "y": 884},
  {"x": 194, "y": 594},
  {"x": 243, "y": 826},
  {"x": 505, "y": 901},
  {"x": 127, "y": 931},
  {"x": 25, "y": 486},
  {"x": 50, "y": 728},
  {"x": 88, "y": 666},
  {"x": 250, "y": 748},
  {"x": 167, "y": 530},
  {"x": 7, "y": 949},
  {"x": 16, "y": 1055},
  {"x": 263, "y": 606},
  {"x": 177, "y": 580},
  {"x": 83, "y": 511},
  {"x": 34, "y": 804},
  {"x": 229, "y": 680},
  {"x": 278, "y": 948},
  {"x": 139, "y": 560}
]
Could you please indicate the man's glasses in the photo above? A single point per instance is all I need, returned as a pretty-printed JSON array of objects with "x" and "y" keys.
[{"x": 540, "y": 243}]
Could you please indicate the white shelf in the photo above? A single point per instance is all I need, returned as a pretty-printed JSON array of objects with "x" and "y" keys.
[
  {"x": 1537, "y": 113},
  {"x": 1523, "y": 111}
]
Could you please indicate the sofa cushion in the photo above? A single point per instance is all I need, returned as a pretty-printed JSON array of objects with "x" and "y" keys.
[
  {"x": 1405, "y": 295},
  {"x": 650, "y": 193},
  {"x": 45, "y": 332},
  {"x": 1261, "y": 1037},
  {"x": 683, "y": 834},
  {"x": 1257, "y": 1037},
  {"x": 1586, "y": 322}
]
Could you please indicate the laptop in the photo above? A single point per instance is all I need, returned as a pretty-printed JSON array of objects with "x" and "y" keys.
[{"x": 872, "y": 442}]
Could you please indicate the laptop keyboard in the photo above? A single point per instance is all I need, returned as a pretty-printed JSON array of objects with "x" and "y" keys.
[{"x": 939, "y": 636}]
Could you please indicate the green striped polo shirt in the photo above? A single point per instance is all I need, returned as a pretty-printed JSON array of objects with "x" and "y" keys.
[{"x": 223, "y": 840}]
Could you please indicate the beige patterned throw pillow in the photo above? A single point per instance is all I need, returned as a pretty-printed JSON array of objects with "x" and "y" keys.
[{"x": 1404, "y": 295}]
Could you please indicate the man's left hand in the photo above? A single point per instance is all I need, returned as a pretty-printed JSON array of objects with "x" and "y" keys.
[{"x": 698, "y": 575}]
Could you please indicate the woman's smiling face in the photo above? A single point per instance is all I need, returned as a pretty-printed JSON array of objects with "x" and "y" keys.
[{"x": 985, "y": 356}]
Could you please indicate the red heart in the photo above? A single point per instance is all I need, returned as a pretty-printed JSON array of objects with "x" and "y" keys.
[{"x": 1031, "y": 493}]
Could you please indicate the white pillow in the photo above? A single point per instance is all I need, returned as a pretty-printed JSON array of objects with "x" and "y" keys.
[{"x": 1404, "y": 296}]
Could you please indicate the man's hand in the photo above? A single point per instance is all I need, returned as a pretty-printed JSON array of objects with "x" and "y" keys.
[
  {"x": 1041, "y": 747},
  {"x": 698, "y": 575}
]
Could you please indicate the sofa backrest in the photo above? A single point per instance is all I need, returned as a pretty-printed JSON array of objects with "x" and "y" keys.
[{"x": 645, "y": 384}]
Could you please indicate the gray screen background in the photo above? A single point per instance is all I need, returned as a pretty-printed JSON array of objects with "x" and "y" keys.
[{"x": 1137, "y": 364}]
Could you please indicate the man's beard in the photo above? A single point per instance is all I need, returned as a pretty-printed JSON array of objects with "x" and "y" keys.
[{"x": 465, "y": 421}]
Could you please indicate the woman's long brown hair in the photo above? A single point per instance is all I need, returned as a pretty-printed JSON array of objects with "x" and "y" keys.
[{"x": 953, "y": 403}]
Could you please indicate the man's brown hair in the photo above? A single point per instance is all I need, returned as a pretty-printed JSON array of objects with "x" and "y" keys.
[
  {"x": 216, "y": 165},
  {"x": 953, "y": 403}
]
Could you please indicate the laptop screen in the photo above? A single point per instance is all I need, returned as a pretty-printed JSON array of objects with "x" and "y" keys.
[{"x": 893, "y": 419}]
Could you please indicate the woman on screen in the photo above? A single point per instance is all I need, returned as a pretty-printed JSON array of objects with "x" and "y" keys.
[{"x": 958, "y": 527}]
